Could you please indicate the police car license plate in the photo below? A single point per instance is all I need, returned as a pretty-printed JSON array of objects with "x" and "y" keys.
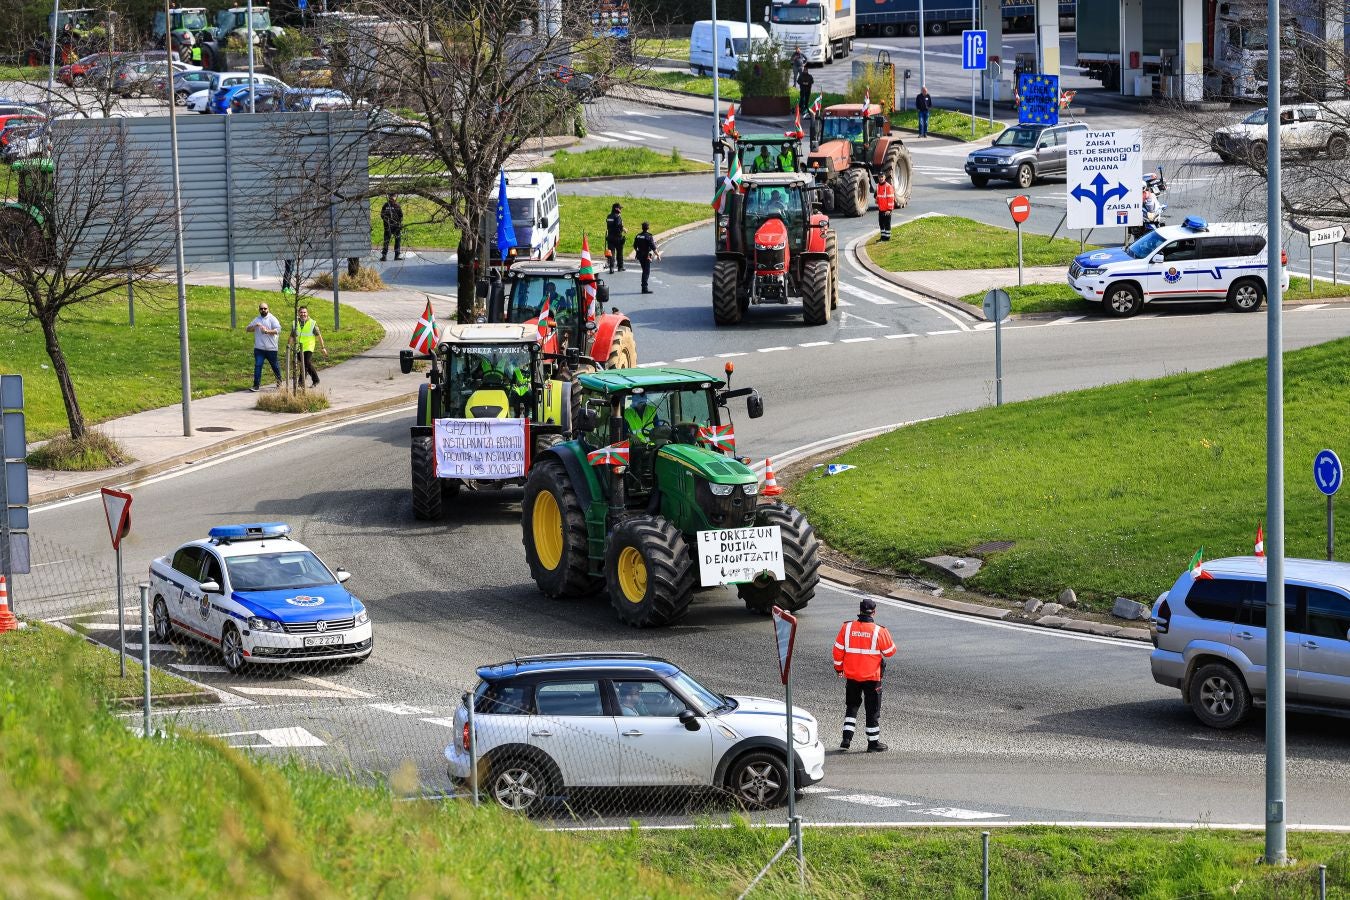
[{"x": 323, "y": 640}]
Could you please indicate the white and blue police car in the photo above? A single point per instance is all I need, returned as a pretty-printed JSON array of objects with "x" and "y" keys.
[
  {"x": 260, "y": 597},
  {"x": 1190, "y": 262}
]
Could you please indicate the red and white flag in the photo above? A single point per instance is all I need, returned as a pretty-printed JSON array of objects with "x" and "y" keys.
[
  {"x": 427, "y": 334},
  {"x": 544, "y": 312},
  {"x": 729, "y": 126},
  {"x": 867, "y": 99},
  {"x": 613, "y": 455},
  {"x": 586, "y": 275},
  {"x": 1260, "y": 539},
  {"x": 796, "y": 132},
  {"x": 1197, "y": 567}
]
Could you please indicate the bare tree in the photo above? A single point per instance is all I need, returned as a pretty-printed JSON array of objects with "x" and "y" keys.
[
  {"x": 79, "y": 234},
  {"x": 479, "y": 78}
]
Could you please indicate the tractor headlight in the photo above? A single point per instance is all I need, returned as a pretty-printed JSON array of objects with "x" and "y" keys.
[
  {"x": 721, "y": 490},
  {"x": 751, "y": 489}
]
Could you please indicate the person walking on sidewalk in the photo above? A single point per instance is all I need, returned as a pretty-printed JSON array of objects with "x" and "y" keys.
[
  {"x": 798, "y": 64},
  {"x": 614, "y": 237},
  {"x": 923, "y": 102},
  {"x": 885, "y": 204},
  {"x": 306, "y": 332},
  {"x": 860, "y": 654},
  {"x": 644, "y": 248},
  {"x": 805, "y": 82},
  {"x": 391, "y": 216},
  {"x": 265, "y": 328}
]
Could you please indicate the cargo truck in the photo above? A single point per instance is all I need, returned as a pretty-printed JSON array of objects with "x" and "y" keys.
[
  {"x": 1098, "y": 27},
  {"x": 888, "y": 18},
  {"x": 823, "y": 29}
]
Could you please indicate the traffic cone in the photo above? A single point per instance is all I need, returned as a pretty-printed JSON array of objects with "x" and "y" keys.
[
  {"x": 771, "y": 488},
  {"x": 7, "y": 620}
]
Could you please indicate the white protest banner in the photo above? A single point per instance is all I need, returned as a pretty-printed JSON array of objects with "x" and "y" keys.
[
  {"x": 738, "y": 555},
  {"x": 1105, "y": 178},
  {"x": 483, "y": 449}
]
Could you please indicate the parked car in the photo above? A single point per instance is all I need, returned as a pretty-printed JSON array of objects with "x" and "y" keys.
[
  {"x": 200, "y": 101},
  {"x": 271, "y": 98},
  {"x": 22, "y": 138},
  {"x": 1022, "y": 154},
  {"x": 548, "y": 725},
  {"x": 185, "y": 84},
  {"x": 1304, "y": 128},
  {"x": 1209, "y": 637},
  {"x": 310, "y": 72},
  {"x": 393, "y": 134},
  {"x": 229, "y": 88}
]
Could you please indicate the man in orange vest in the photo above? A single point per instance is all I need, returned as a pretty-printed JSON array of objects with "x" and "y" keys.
[
  {"x": 860, "y": 654},
  {"x": 885, "y": 203}
]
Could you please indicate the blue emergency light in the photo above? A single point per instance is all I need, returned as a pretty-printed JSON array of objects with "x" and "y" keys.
[
  {"x": 256, "y": 531},
  {"x": 1195, "y": 223}
]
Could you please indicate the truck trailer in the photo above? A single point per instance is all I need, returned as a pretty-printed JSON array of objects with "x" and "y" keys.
[{"x": 888, "y": 18}]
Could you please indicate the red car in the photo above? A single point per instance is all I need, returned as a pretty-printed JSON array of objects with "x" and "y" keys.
[
  {"x": 14, "y": 124},
  {"x": 75, "y": 73}
]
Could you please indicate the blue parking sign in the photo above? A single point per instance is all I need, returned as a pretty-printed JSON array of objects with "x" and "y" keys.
[{"x": 974, "y": 49}]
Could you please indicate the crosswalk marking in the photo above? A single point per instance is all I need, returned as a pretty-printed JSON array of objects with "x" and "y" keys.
[
  {"x": 646, "y": 134},
  {"x": 301, "y": 693},
  {"x": 275, "y": 737},
  {"x": 842, "y": 302},
  {"x": 629, "y": 135},
  {"x": 400, "y": 709},
  {"x": 334, "y": 686},
  {"x": 872, "y": 800},
  {"x": 870, "y": 297},
  {"x": 1309, "y": 307},
  {"x": 602, "y": 139},
  {"x": 819, "y": 789},
  {"x": 951, "y": 812}
]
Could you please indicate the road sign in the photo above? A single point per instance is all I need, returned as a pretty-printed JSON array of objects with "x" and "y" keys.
[
  {"x": 974, "y": 49},
  {"x": 1327, "y": 472},
  {"x": 1333, "y": 235},
  {"x": 1038, "y": 99},
  {"x": 1019, "y": 208},
  {"x": 1105, "y": 178},
  {"x": 997, "y": 305},
  {"x": 785, "y": 635},
  {"x": 117, "y": 509}
]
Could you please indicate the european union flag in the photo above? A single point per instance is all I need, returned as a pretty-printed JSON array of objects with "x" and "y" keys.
[
  {"x": 506, "y": 231},
  {"x": 1038, "y": 99}
]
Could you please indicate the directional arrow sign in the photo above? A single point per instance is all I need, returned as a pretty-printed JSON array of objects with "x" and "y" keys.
[
  {"x": 1333, "y": 235},
  {"x": 1105, "y": 183}
]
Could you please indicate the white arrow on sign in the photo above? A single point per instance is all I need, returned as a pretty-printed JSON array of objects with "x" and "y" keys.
[{"x": 1333, "y": 235}]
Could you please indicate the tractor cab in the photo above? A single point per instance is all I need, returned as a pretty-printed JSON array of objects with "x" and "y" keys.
[
  {"x": 846, "y": 122},
  {"x": 789, "y": 199},
  {"x": 35, "y": 177},
  {"x": 489, "y": 372},
  {"x": 576, "y": 321},
  {"x": 26, "y": 232},
  {"x": 760, "y": 153}
]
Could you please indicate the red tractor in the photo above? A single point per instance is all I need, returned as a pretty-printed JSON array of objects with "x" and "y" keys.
[
  {"x": 605, "y": 339},
  {"x": 777, "y": 247},
  {"x": 855, "y": 149}
]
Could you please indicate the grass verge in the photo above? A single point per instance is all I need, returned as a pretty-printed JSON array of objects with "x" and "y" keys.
[
  {"x": 285, "y": 402},
  {"x": 1087, "y": 484},
  {"x": 954, "y": 242},
  {"x": 606, "y": 162},
  {"x": 119, "y": 370},
  {"x": 94, "y": 451},
  {"x": 578, "y": 212},
  {"x": 44, "y": 648},
  {"x": 1060, "y": 298},
  {"x": 1024, "y": 862},
  {"x": 198, "y": 819},
  {"x": 665, "y": 48},
  {"x": 728, "y": 88},
  {"x": 39, "y": 73},
  {"x": 947, "y": 123},
  {"x": 367, "y": 279}
]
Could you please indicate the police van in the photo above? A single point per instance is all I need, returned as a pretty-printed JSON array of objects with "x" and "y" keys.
[
  {"x": 532, "y": 198},
  {"x": 1194, "y": 261},
  {"x": 258, "y": 596}
]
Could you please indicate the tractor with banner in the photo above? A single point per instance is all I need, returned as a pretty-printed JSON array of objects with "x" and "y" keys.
[
  {"x": 488, "y": 408},
  {"x": 26, "y": 233},
  {"x": 776, "y": 246},
  {"x": 855, "y": 149},
  {"x": 648, "y": 501}
]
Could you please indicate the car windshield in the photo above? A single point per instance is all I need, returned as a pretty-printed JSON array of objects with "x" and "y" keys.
[
  {"x": 1144, "y": 247},
  {"x": 797, "y": 15},
  {"x": 527, "y": 296},
  {"x": 277, "y": 571},
  {"x": 1256, "y": 118},
  {"x": 1018, "y": 137},
  {"x": 703, "y": 699},
  {"x": 843, "y": 128}
]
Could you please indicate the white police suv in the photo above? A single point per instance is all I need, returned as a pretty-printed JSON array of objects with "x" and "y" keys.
[
  {"x": 1194, "y": 261},
  {"x": 260, "y": 597}
]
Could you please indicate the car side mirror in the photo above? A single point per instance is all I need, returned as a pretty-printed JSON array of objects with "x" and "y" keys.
[
  {"x": 689, "y": 719},
  {"x": 1156, "y": 259},
  {"x": 754, "y": 405},
  {"x": 405, "y": 361},
  {"x": 343, "y": 575},
  {"x": 210, "y": 587}
]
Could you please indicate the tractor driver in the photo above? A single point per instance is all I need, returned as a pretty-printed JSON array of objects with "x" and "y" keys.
[
  {"x": 778, "y": 202},
  {"x": 550, "y": 298},
  {"x": 763, "y": 162},
  {"x": 640, "y": 417},
  {"x": 493, "y": 370},
  {"x": 786, "y": 160}
]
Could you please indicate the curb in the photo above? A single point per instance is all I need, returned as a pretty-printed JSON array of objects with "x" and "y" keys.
[
  {"x": 233, "y": 442},
  {"x": 174, "y": 701},
  {"x": 900, "y": 281},
  {"x": 670, "y": 233},
  {"x": 587, "y": 179}
]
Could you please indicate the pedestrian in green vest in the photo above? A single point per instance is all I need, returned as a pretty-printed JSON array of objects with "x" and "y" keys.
[{"x": 306, "y": 332}]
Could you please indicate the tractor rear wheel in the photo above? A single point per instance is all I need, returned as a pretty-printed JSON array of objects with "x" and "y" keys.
[
  {"x": 22, "y": 241},
  {"x": 850, "y": 193},
  {"x": 816, "y": 291},
  {"x": 832, "y": 249},
  {"x": 900, "y": 167},
  {"x": 426, "y": 488},
  {"x": 623, "y": 352},
  {"x": 801, "y": 563},
  {"x": 726, "y": 285},
  {"x": 649, "y": 571},
  {"x": 554, "y": 529}
]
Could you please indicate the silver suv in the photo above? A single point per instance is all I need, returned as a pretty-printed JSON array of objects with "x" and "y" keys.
[
  {"x": 1210, "y": 637},
  {"x": 1023, "y": 154}
]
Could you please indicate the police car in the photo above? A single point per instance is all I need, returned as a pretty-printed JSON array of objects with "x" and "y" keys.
[
  {"x": 1194, "y": 261},
  {"x": 260, "y": 597}
]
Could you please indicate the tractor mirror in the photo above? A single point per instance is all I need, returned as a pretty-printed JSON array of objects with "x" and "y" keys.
[
  {"x": 754, "y": 404},
  {"x": 405, "y": 361},
  {"x": 586, "y": 420}
]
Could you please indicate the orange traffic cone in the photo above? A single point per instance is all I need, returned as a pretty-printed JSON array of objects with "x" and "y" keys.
[
  {"x": 7, "y": 620},
  {"x": 771, "y": 488}
]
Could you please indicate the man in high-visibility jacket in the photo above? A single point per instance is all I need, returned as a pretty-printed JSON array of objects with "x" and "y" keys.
[
  {"x": 640, "y": 417},
  {"x": 860, "y": 654},
  {"x": 306, "y": 332},
  {"x": 885, "y": 204}
]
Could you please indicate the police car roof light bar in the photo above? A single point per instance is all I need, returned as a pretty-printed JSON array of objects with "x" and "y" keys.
[
  {"x": 1195, "y": 223},
  {"x": 254, "y": 531}
]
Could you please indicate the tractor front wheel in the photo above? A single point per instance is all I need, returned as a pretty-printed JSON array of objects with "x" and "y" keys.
[
  {"x": 727, "y": 308},
  {"x": 649, "y": 570},
  {"x": 426, "y": 488},
  {"x": 816, "y": 292},
  {"x": 22, "y": 241},
  {"x": 801, "y": 563},
  {"x": 832, "y": 250},
  {"x": 554, "y": 528},
  {"x": 850, "y": 193}
]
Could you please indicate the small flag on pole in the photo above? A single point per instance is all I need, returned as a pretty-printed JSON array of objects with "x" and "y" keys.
[
  {"x": 427, "y": 334},
  {"x": 867, "y": 98},
  {"x": 1260, "y": 539},
  {"x": 586, "y": 275},
  {"x": 730, "y": 182},
  {"x": 817, "y": 105},
  {"x": 796, "y": 132},
  {"x": 544, "y": 312},
  {"x": 729, "y": 125},
  {"x": 506, "y": 229},
  {"x": 1197, "y": 567},
  {"x": 613, "y": 455}
]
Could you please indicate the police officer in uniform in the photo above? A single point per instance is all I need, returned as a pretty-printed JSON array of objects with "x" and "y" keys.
[
  {"x": 860, "y": 654},
  {"x": 614, "y": 237},
  {"x": 644, "y": 248}
]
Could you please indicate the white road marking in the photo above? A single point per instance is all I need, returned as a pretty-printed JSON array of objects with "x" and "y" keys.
[
  {"x": 1067, "y": 320},
  {"x": 855, "y": 340},
  {"x": 852, "y": 256},
  {"x": 892, "y": 337},
  {"x": 655, "y": 137},
  {"x": 190, "y": 667},
  {"x": 865, "y": 295},
  {"x": 819, "y": 789},
  {"x": 689, "y": 359},
  {"x": 276, "y": 737},
  {"x": 845, "y": 318},
  {"x": 308, "y": 693},
  {"x": 623, "y": 135},
  {"x": 872, "y": 800},
  {"x": 950, "y": 812},
  {"x": 816, "y": 344},
  {"x": 729, "y": 355},
  {"x": 160, "y": 647},
  {"x": 101, "y": 626},
  {"x": 949, "y": 331},
  {"x": 1307, "y": 308},
  {"x": 629, "y": 112},
  {"x": 650, "y": 365},
  {"x": 604, "y": 140},
  {"x": 440, "y": 720},
  {"x": 772, "y": 350},
  {"x": 842, "y": 302},
  {"x": 400, "y": 709},
  {"x": 334, "y": 686}
]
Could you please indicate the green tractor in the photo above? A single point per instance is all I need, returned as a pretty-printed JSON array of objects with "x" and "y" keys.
[
  {"x": 25, "y": 222},
  {"x": 631, "y": 525}
]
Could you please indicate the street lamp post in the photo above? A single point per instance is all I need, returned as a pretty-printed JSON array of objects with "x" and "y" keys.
[
  {"x": 51, "y": 67},
  {"x": 185, "y": 372}
]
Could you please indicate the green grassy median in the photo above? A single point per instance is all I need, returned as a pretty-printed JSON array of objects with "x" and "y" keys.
[
  {"x": 45, "y": 648},
  {"x": 1060, "y": 298},
  {"x": 606, "y": 162},
  {"x": 947, "y": 123},
  {"x": 119, "y": 370},
  {"x": 953, "y": 242},
  {"x": 1108, "y": 491}
]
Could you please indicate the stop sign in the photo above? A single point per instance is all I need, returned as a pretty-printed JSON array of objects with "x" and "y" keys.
[{"x": 1020, "y": 208}]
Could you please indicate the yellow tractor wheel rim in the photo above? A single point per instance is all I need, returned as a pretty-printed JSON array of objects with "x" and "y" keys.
[
  {"x": 632, "y": 575},
  {"x": 547, "y": 525}
]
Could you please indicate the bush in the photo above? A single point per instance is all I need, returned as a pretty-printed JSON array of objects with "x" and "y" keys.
[
  {"x": 765, "y": 71},
  {"x": 302, "y": 401},
  {"x": 878, "y": 83},
  {"x": 367, "y": 279},
  {"x": 94, "y": 451}
]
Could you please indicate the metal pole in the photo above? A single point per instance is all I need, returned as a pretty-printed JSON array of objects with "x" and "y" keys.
[
  {"x": 185, "y": 373},
  {"x": 1310, "y": 266},
  {"x": 998, "y": 356},
  {"x": 1331, "y": 530},
  {"x": 332, "y": 237},
  {"x": 469, "y": 700},
  {"x": 717, "y": 105},
  {"x": 121, "y": 621},
  {"x": 1333, "y": 263},
  {"x": 993, "y": 78},
  {"x": 794, "y": 822},
  {"x": 145, "y": 655},
  {"x": 974, "y": 22},
  {"x": 229, "y": 219},
  {"x": 1019, "y": 254},
  {"x": 984, "y": 839},
  {"x": 923, "y": 48},
  {"x": 51, "y": 63},
  {"x": 1276, "y": 848},
  {"x": 252, "y": 84},
  {"x": 1322, "y": 882},
  {"x": 5, "y": 562}
]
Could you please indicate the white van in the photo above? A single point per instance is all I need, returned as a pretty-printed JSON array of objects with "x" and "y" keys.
[
  {"x": 533, "y": 200},
  {"x": 726, "y": 51}
]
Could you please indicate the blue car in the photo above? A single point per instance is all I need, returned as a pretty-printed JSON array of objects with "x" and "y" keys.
[{"x": 220, "y": 100}]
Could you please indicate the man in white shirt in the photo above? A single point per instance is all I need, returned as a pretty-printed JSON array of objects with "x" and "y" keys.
[{"x": 265, "y": 328}]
